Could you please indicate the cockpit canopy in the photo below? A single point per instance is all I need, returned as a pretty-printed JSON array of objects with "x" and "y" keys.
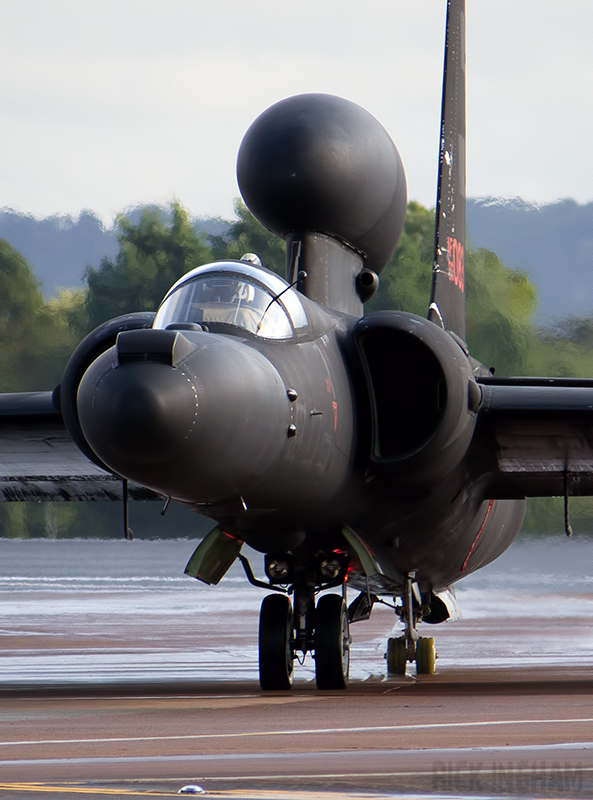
[{"x": 237, "y": 294}]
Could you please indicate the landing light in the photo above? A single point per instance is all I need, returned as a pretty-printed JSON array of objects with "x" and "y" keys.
[
  {"x": 330, "y": 568},
  {"x": 278, "y": 570}
]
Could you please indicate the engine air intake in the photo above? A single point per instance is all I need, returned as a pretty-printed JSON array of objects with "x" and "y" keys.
[
  {"x": 408, "y": 391},
  {"x": 418, "y": 380}
]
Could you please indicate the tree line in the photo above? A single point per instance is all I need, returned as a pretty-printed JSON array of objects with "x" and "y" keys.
[{"x": 38, "y": 336}]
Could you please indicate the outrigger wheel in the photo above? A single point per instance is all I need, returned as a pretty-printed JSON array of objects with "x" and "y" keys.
[
  {"x": 275, "y": 643},
  {"x": 332, "y": 643},
  {"x": 425, "y": 656},
  {"x": 411, "y": 646},
  {"x": 397, "y": 656}
]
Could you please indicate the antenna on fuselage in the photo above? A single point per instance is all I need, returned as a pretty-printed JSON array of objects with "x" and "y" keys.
[
  {"x": 447, "y": 301},
  {"x": 300, "y": 277}
]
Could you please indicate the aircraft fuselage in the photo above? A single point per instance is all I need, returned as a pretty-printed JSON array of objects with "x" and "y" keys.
[{"x": 277, "y": 439}]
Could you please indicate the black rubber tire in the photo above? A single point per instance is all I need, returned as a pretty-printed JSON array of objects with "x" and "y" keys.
[
  {"x": 275, "y": 643},
  {"x": 397, "y": 656},
  {"x": 332, "y": 643}
]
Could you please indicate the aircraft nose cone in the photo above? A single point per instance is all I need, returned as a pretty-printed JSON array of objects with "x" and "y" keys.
[
  {"x": 198, "y": 420},
  {"x": 141, "y": 408}
]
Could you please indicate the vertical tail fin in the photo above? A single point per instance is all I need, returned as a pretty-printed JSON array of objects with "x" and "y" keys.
[{"x": 447, "y": 302}]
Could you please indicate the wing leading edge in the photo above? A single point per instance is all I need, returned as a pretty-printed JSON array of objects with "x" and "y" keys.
[
  {"x": 39, "y": 460},
  {"x": 534, "y": 437}
]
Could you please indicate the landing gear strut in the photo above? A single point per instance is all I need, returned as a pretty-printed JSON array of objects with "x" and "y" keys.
[{"x": 411, "y": 646}]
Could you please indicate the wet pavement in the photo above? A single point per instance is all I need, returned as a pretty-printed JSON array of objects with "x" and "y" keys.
[
  {"x": 123, "y": 611},
  {"x": 121, "y": 675}
]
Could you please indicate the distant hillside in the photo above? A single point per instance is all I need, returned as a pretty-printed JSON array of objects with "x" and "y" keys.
[
  {"x": 553, "y": 242},
  {"x": 59, "y": 248}
]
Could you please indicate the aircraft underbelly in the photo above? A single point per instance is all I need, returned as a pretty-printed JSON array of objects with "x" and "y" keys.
[{"x": 454, "y": 547}]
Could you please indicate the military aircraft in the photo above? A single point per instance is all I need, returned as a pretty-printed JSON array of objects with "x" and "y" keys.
[{"x": 356, "y": 451}]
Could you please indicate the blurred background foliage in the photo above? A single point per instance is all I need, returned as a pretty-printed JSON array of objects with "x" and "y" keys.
[{"x": 37, "y": 337}]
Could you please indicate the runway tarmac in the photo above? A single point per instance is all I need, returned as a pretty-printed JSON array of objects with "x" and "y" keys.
[{"x": 121, "y": 676}]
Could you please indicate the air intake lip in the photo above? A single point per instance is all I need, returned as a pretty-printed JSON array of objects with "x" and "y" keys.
[
  {"x": 418, "y": 382},
  {"x": 163, "y": 347}
]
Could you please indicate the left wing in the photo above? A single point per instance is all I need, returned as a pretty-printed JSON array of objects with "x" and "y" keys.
[
  {"x": 534, "y": 437},
  {"x": 39, "y": 460}
]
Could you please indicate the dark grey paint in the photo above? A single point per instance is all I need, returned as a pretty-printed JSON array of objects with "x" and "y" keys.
[
  {"x": 447, "y": 302},
  {"x": 316, "y": 162}
]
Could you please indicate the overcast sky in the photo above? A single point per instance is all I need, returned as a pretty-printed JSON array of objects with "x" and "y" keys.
[{"x": 110, "y": 103}]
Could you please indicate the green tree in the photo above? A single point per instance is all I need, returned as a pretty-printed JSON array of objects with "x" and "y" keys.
[
  {"x": 21, "y": 302},
  {"x": 152, "y": 256},
  {"x": 36, "y": 338},
  {"x": 500, "y": 301},
  {"x": 247, "y": 235},
  {"x": 406, "y": 280},
  {"x": 565, "y": 348}
]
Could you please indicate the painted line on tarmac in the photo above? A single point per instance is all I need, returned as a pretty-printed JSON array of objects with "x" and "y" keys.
[
  {"x": 262, "y": 794},
  {"x": 53, "y": 789},
  {"x": 303, "y": 732},
  {"x": 349, "y": 754},
  {"x": 337, "y": 775},
  {"x": 118, "y": 697}
]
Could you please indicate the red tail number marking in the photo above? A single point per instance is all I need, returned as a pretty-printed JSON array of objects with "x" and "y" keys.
[{"x": 456, "y": 262}]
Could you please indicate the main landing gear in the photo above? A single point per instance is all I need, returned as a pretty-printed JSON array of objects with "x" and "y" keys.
[
  {"x": 323, "y": 629},
  {"x": 276, "y": 658},
  {"x": 411, "y": 646}
]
